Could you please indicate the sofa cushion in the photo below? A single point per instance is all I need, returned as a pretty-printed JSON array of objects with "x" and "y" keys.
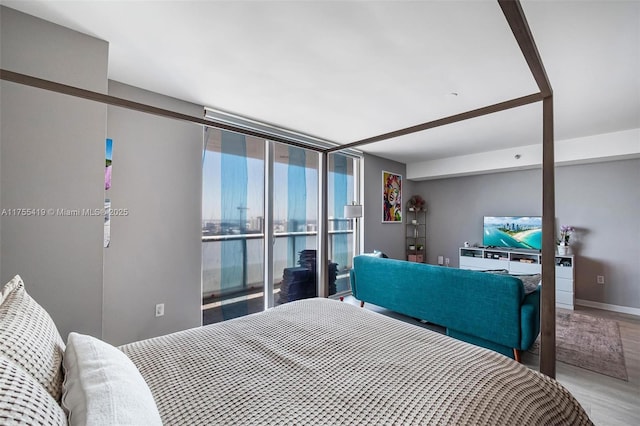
[
  {"x": 23, "y": 400},
  {"x": 29, "y": 338}
]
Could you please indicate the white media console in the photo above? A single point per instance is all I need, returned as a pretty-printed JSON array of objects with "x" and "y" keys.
[{"x": 523, "y": 262}]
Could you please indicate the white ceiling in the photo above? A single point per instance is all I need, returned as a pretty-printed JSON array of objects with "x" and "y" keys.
[{"x": 348, "y": 70}]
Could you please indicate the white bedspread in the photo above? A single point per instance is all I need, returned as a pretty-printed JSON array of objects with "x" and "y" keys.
[{"x": 321, "y": 362}]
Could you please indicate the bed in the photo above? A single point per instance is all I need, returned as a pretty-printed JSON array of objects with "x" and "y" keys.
[{"x": 313, "y": 361}]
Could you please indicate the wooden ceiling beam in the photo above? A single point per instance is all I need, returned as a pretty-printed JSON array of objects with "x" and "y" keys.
[
  {"x": 513, "y": 103},
  {"x": 517, "y": 21},
  {"x": 52, "y": 86}
]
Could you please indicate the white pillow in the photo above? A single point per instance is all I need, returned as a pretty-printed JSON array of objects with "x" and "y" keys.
[{"x": 103, "y": 387}]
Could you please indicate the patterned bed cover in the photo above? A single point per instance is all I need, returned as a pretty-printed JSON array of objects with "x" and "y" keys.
[{"x": 319, "y": 362}]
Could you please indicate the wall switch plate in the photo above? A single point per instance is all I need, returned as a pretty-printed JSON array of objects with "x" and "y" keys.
[
  {"x": 600, "y": 279},
  {"x": 440, "y": 260},
  {"x": 160, "y": 309}
]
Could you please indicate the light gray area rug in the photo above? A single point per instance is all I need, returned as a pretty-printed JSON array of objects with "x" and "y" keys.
[{"x": 590, "y": 343}]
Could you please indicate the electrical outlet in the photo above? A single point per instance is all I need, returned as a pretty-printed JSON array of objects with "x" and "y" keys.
[
  {"x": 600, "y": 279},
  {"x": 446, "y": 261},
  {"x": 440, "y": 260},
  {"x": 160, "y": 309}
]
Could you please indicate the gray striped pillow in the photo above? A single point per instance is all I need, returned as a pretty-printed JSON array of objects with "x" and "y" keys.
[
  {"x": 29, "y": 338},
  {"x": 24, "y": 401}
]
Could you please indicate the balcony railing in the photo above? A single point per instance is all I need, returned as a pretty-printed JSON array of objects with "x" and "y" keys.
[{"x": 249, "y": 257}]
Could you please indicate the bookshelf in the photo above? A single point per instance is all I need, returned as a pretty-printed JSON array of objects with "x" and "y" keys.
[{"x": 416, "y": 236}]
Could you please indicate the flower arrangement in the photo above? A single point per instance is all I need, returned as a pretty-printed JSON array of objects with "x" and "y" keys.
[
  {"x": 416, "y": 203},
  {"x": 565, "y": 234}
]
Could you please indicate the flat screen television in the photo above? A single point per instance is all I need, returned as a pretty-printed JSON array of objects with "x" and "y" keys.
[{"x": 518, "y": 232}]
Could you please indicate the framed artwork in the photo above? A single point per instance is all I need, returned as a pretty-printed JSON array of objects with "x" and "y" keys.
[
  {"x": 391, "y": 197},
  {"x": 107, "y": 186}
]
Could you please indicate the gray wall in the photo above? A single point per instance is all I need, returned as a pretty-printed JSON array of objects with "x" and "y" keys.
[
  {"x": 386, "y": 237},
  {"x": 155, "y": 251},
  {"x": 52, "y": 150},
  {"x": 601, "y": 200},
  {"x": 455, "y": 207},
  {"x": 52, "y": 154}
]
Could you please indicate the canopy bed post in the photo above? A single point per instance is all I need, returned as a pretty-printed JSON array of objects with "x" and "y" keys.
[
  {"x": 514, "y": 14},
  {"x": 548, "y": 302}
]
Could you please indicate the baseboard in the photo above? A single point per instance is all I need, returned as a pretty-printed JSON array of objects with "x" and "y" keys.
[{"x": 608, "y": 307}]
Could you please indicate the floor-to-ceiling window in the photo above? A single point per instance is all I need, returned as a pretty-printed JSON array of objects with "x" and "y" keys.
[
  {"x": 341, "y": 191},
  {"x": 295, "y": 222},
  {"x": 233, "y": 225}
]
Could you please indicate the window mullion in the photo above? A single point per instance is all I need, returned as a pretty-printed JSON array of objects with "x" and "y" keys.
[{"x": 269, "y": 238}]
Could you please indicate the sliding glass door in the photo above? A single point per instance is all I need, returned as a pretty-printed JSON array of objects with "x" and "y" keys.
[
  {"x": 295, "y": 222},
  {"x": 238, "y": 171},
  {"x": 342, "y": 190},
  {"x": 232, "y": 225}
]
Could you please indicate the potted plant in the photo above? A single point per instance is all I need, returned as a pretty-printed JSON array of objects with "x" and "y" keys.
[
  {"x": 563, "y": 241},
  {"x": 420, "y": 247},
  {"x": 416, "y": 203}
]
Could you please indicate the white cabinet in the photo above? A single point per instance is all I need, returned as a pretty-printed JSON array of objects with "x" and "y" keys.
[
  {"x": 565, "y": 281},
  {"x": 482, "y": 264},
  {"x": 523, "y": 262}
]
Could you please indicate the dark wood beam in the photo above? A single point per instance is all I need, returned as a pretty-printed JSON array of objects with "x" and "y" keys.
[
  {"x": 548, "y": 298},
  {"x": 137, "y": 106},
  {"x": 516, "y": 19},
  {"x": 513, "y": 103}
]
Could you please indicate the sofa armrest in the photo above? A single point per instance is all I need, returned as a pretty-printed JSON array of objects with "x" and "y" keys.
[
  {"x": 352, "y": 278},
  {"x": 530, "y": 319}
]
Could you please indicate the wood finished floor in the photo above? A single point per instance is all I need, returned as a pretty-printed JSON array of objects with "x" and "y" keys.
[{"x": 608, "y": 401}]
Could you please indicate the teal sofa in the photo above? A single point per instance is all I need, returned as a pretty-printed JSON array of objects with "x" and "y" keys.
[{"x": 484, "y": 309}]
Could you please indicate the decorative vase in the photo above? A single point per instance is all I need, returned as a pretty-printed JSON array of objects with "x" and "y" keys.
[{"x": 563, "y": 250}]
